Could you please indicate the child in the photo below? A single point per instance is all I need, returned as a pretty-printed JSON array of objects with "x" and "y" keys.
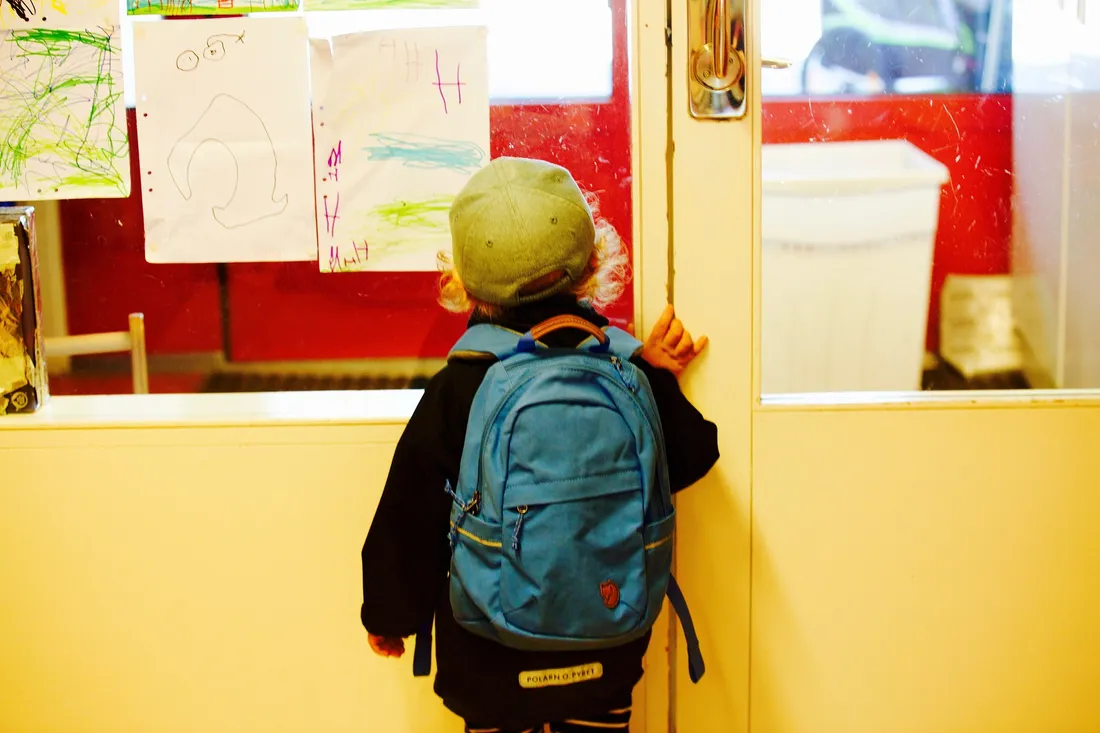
[{"x": 527, "y": 247}]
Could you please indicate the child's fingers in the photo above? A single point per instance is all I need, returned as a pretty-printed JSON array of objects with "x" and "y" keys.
[
  {"x": 674, "y": 334},
  {"x": 701, "y": 344},
  {"x": 685, "y": 346},
  {"x": 660, "y": 328},
  {"x": 386, "y": 647}
]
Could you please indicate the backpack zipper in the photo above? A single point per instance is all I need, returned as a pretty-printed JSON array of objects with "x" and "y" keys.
[
  {"x": 519, "y": 523},
  {"x": 468, "y": 508},
  {"x": 618, "y": 364},
  {"x": 658, "y": 436}
]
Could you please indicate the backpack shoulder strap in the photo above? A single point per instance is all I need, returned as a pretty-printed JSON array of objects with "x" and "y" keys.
[
  {"x": 696, "y": 668},
  {"x": 422, "y": 652},
  {"x": 620, "y": 343},
  {"x": 485, "y": 341}
]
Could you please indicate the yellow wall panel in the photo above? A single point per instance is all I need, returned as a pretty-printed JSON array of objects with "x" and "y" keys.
[
  {"x": 926, "y": 570},
  {"x": 195, "y": 580}
]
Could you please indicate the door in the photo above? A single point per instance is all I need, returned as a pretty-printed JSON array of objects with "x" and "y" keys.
[{"x": 868, "y": 557}]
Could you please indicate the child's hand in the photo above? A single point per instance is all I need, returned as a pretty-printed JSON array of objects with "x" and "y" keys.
[
  {"x": 386, "y": 646},
  {"x": 669, "y": 345}
]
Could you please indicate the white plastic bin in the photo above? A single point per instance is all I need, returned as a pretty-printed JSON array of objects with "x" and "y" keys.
[{"x": 848, "y": 235}]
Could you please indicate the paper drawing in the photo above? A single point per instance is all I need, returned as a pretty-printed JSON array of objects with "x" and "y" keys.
[
  {"x": 388, "y": 4},
  {"x": 207, "y": 7},
  {"x": 62, "y": 115},
  {"x": 65, "y": 14},
  {"x": 224, "y": 140},
  {"x": 401, "y": 122},
  {"x": 254, "y": 195}
]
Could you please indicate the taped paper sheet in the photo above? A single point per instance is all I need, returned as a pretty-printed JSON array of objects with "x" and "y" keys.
[
  {"x": 401, "y": 122},
  {"x": 62, "y": 113},
  {"x": 224, "y": 140},
  {"x": 67, "y": 14},
  {"x": 207, "y": 7}
]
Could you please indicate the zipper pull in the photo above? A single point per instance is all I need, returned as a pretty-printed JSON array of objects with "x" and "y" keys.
[
  {"x": 626, "y": 380},
  {"x": 519, "y": 523},
  {"x": 470, "y": 507}
]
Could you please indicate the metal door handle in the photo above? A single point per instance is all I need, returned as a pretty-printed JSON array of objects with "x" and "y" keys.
[
  {"x": 718, "y": 34},
  {"x": 716, "y": 59}
]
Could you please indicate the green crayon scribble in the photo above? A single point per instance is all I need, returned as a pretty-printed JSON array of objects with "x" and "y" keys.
[
  {"x": 207, "y": 7},
  {"x": 427, "y": 214},
  {"x": 57, "y": 110}
]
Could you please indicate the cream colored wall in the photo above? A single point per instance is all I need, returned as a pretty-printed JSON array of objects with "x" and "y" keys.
[
  {"x": 191, "y": 563},
  {"x": 926, "y": 570},
  {"x": 195, "y": 579}
]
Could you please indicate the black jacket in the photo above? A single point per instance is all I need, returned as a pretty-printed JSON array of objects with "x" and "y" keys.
[{"x": 406, "y": 555}]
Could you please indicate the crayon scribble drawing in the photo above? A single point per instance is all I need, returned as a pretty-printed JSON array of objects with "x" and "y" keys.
[
  {"x": 224, "y": 140},
  {"x": 207, "y": 7},
  {"x": 430, "y": 213},
  {"x": 401, "y": 122},
  {"x": 255, "y": 183},
  {"x": 389, "y": 4},
  {"x": 62, "y": 115},
  {"x": 61, "y": 14},
  {"x": 418, "y": 151}
]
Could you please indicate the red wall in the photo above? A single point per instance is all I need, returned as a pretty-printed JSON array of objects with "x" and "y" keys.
[
  {"x": 970, "y": 134},
  {"x": 292, "y": 311}
]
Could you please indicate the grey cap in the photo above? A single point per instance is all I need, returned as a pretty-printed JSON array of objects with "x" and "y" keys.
[{"x": 517, "y": 220}]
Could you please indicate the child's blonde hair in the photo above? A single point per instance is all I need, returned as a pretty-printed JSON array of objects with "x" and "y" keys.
[{"x": 605, "y": 279}]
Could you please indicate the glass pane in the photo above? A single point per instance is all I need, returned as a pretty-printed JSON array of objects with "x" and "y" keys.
[
  {"x": 931, "y": 177},
  {"x": 286, "y": 326}
]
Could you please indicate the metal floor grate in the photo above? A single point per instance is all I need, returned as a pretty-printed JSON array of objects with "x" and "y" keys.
[
  {"x": 942, "y": 377},
  {"x": 250, "y": 382}
]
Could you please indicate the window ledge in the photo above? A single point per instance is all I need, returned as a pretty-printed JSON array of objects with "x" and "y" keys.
[{"x": 220, "y": 410}]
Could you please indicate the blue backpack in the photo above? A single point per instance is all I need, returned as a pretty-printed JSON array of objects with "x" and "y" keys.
[{"x": 562, "y": 523}]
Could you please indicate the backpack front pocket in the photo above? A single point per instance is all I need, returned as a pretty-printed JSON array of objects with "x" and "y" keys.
[
  {"x": 475, "y": 562},
  {"x": 573, "y": 561}
]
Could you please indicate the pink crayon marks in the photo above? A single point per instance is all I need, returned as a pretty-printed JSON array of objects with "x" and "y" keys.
[
  {"x": 346, "y": 260},
  {"x": 439, "y": 83},
  {"x": 331, "y": 217},
  {"x": 335, "y": 159},
  {"x": 349, "y": 259}
]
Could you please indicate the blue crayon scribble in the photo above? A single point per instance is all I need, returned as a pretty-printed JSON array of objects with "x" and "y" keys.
[{"x": 418, "y": 151}]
